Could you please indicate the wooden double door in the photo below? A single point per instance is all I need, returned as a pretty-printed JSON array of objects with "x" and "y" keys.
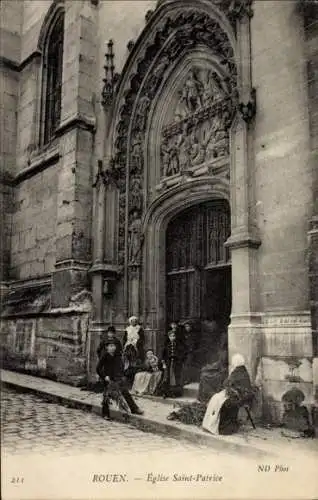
[{"x": 198, "y": 270}]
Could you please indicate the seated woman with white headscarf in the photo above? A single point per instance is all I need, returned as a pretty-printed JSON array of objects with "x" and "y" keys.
[
  {"x": 133, "y": 348},
  {"x": 221, "y": 416}
]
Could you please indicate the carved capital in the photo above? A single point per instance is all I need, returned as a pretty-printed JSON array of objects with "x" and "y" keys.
[
  {"x": 247, "y": 109},
  {"x": 238, "y": 9}
]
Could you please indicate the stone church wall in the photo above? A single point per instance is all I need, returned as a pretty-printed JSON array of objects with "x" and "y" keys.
[
  {"x": 284, "y": 180},
  {"x": 49, "y": 225}
]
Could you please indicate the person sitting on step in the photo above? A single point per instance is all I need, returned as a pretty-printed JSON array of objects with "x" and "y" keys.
[{"x": 148, "y": 379}]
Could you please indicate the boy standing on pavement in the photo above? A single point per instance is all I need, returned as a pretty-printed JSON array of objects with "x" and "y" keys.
[
  {"x": 111, "y": 371},
  {"x": 110, "y": 336}
]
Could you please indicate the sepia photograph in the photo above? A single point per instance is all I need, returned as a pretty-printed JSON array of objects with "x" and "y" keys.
[{"x": 159, "y": 249}]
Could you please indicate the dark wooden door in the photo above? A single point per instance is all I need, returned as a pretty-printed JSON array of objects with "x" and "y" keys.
[{"x": 196, "y": 262}]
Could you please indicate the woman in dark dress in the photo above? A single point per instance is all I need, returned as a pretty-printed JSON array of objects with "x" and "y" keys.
[{"x": 222, "y": 410}]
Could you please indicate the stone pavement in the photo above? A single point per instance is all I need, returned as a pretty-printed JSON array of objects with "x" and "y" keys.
[
  {"x": 31, "y": 424},
  {"x": 253, "y": 443}
]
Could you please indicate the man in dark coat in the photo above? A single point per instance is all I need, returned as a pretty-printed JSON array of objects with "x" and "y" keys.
[{"x": 110, "y": 369}]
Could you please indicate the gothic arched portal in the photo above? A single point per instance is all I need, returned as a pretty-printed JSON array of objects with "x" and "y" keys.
[{"x": 176, "y": 102}]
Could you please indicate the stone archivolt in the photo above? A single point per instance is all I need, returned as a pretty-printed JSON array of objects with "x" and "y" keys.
[{"x": 198, "y": 131}]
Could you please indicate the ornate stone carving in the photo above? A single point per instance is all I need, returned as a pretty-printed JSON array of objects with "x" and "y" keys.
[
  {"x": 111, "y": 78},
  {"x": 135, "y": 239},
  {"x": 240, "y": 8},
  {"x": 248, "y": 109},
  {"x": 135, "y": 193},
  {"x": 180, "y": 32},
  {"x": 148, "y": 15},
  {"x": 142, "y": 112},
  {"x": 199, "y": 131},
  {"x": 110, "y": 175},
  {"x": 137, "y": 152}
]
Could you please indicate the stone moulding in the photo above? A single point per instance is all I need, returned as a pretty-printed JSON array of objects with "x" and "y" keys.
[
  {"x": 38, "y": 163},
  {"x": 19, "y": 67}
]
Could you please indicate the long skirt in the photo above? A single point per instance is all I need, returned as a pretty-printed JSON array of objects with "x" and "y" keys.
[
  {"x": 221, "y": 416},
  {"x": 146, "y": 383}
]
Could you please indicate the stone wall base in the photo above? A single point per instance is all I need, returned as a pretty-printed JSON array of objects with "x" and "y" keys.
[
  {"x": 50, "y": 345},
  {"x": 286, "y": 361}
]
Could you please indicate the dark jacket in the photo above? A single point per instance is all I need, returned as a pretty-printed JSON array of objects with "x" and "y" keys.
[
  {"x": 110, "y": 366},
  {"x": 103, "y": 344},
  {"x": 176, "y": 350},
  {"x": 238, "y": 385}
]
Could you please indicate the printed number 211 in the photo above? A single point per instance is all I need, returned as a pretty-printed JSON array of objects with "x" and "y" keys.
[{"x": 17, "y": 480}]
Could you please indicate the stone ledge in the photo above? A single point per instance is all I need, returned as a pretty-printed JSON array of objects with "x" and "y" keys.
[{"x": 38, "y": 163}]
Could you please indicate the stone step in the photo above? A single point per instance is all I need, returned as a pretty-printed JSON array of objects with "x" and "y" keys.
[
  {"x": 191, "y": 390},
  {"x": 173, "y": 402}
]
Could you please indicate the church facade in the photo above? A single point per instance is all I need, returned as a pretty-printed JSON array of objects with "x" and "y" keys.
[{"x": 160, "y": 160}]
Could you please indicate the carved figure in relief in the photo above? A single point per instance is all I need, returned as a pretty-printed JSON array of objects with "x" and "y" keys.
[
  {"x": 142, "y": 112},
  {"x": 158, "y": 71},
  {"x": 211, "y": 91},
  {"x": 135, "y": 239},
  {"x": 191, "y": 150},
  {"x": 191, "y": 94},
  {"x": 170, "y": 157},
  {"x": 137, "y": 152},
  {"x": 135, "y": 193}
]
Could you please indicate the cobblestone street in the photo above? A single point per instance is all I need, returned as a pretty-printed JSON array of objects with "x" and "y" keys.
[{"x": 30, "y": 423}]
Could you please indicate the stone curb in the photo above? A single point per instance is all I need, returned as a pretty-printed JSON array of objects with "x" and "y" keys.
[{"x": 148, "y": 425}]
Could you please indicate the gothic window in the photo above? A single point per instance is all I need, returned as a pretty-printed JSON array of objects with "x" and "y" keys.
[{"x": 52, "y": 79}]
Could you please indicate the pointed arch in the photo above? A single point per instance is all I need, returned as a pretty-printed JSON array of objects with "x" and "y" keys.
[
  {"x": 56, "y": 9},
  {"x": 51, "y": 46},
  {"x": 173, "y": 31}
]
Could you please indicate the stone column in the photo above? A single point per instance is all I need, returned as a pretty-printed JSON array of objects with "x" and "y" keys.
[
  {"x": 244, "y": 331},
  {"x": 134, "y": 293},
  {"x": 310, "y": 17},
  {"x": 105, "y": 270},
  {"x": 97, "y": 324}
]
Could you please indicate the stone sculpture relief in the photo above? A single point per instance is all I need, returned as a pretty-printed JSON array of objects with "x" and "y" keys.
[
  {"x": 135, "y": 239},
  {"x": 199, "y": 131}
]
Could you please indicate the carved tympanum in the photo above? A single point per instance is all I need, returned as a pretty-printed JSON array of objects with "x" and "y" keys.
[{"x": 199, "y": 131}]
